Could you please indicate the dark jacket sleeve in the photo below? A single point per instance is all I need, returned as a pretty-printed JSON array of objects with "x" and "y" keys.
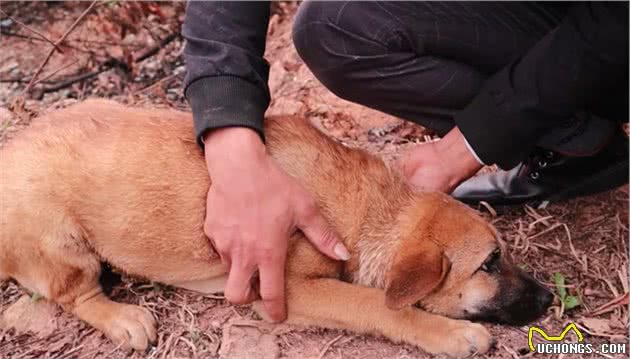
[
  {"x": 574, "y": 65},
  {"x": 226, "y": 79}
]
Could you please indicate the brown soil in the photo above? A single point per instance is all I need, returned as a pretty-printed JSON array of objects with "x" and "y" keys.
[{"x": 585, "y": 239}]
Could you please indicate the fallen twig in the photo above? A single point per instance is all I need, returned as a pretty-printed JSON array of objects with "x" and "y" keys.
[
  {"x": 21, "y": 80},
  {"x": 167, "y": 346},
  {"x": 490, "y": 209},
  {"x": 71, "y": 351},
  {"x": 53, "y": 73},
  {"x": 57, "y": 43},
  {"x": 190, "y": 345},
  {"x": 42, "y": 36},
  {"x": 68, "y": 42},
  {"x": 593, "y": 333},
  {"x": 322, "y": 353},
  {"x": 611, "y": 305},
  {"x": 111, "y": 63},
  {"x": 511, "y": 351}
]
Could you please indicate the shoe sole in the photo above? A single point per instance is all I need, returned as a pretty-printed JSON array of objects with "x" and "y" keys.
[{"x": 596, "y": 183}]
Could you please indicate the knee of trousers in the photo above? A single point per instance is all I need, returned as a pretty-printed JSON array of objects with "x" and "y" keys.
[{"x": 319, "y": 42}]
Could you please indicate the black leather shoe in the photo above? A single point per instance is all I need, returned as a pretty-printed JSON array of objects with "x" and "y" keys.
[{"x": 547, "y": 175}]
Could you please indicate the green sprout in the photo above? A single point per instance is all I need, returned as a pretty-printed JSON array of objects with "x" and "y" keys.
[
  {"x": 35, "y": 297},
  {"x": 569, "y": 301}
]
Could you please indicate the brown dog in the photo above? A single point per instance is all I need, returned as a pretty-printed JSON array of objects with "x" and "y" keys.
[{"x": 103, "y": 182}]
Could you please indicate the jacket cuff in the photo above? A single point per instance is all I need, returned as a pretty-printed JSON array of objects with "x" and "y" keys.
[
  {"x": 491, "y": 136},
  {"x": 226, "y": 101},
  {"x": 473, "y": 153}
]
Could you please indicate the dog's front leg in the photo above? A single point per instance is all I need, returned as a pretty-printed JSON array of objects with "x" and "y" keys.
[{"x": 334, "y": 304}]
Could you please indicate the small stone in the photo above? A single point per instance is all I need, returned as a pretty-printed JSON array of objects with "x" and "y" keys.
[
  {"x": 179, "y": 70},
  {"x": 26, "y": 315},
  {"x": 252, "y": 339}
]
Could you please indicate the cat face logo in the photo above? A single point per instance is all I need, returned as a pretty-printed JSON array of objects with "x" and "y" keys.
[{"x": 558, "y": 338}]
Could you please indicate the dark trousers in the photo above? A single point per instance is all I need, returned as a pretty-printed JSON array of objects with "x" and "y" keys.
[{"x": 425, "y": 61}]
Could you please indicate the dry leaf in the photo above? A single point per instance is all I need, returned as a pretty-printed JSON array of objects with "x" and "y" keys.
[{"x": 596, "y": 325}]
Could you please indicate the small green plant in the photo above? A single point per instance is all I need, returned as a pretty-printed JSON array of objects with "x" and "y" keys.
[
  {"x": 111, "y": 3},
  {"x": 569, "y": 301},
  {"x": 35, "y": 297}
]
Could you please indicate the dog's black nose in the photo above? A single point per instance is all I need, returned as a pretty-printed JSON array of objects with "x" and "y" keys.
[{"x": 544, "y": 298}]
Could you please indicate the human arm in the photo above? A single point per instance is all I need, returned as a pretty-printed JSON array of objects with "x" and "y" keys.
[{"x": 252, "y": 205}]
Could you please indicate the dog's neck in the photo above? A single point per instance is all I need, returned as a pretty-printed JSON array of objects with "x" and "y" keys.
[{"x": 357, "y": 193}]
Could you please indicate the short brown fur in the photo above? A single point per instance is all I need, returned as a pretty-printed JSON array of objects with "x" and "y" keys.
[{"x": 99, "y": 181}]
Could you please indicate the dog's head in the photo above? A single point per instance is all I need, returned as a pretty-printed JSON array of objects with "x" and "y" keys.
[{"x": 451, "y": 262}]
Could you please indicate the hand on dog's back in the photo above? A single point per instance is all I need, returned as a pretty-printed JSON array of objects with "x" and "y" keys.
[{"x": 252, "y": 209}]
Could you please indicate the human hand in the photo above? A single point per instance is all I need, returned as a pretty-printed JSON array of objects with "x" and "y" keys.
[
  {"x": 441, "y": 165},
  {"x": 253, "y": 207}
]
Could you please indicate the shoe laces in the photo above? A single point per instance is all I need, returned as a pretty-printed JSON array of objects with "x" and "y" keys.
[{"x": 538, "y": 161}]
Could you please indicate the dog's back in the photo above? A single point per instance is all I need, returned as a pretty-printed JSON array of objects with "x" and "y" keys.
[
  {"x": 53, "y": 192},
  {"x": 145, "y": 165}
]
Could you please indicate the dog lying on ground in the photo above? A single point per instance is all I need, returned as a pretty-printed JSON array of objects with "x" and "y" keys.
[{"x": 101, "y": 182}]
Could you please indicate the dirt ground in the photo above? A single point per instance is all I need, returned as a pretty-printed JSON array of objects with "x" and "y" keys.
[{"x": 585, "y": 240}]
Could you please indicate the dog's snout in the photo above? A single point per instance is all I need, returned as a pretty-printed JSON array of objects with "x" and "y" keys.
[{"x": 521, "y": 299}]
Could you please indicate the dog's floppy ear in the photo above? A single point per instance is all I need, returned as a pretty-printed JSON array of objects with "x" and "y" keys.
[{"x": 419, "y": 267}]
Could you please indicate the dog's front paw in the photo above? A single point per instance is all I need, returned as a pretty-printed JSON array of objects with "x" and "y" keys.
[
  {"x": 466, "y": 339},
  {"x": 131, "y": 327}
]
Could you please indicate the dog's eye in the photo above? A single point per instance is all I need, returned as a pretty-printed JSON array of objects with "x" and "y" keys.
[{"x": 491, "y": 265}]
